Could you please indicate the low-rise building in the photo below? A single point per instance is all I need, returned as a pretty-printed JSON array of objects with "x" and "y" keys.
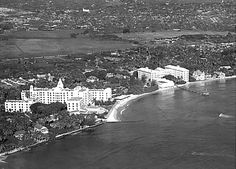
[
  {"x": 92, "y": 79},
  {"x": 95, "y": 109},
  {"x": 220, "y": 75},
  {"x": 19, "y": 134},
  {"x": 110, "y": 75},
  {"x": 40, "y": 128},
  {"x": 199, "y": 75},
  {"x": 164, "y": 83}
]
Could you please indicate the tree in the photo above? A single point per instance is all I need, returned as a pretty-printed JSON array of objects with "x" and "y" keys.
[
  {"x": 153, "y": 83},
  {"x": 143, "y": 78},
  {"x": 40, "y": 110},
  {"x": 135, "y": 74},
  {"x": 171, "y": 77},
  {"x": 89, "y": 120},
  {"x": 126, "y": 30},
  {"x": 192, "y": 79},
  {"x": 102, "y": 74}
]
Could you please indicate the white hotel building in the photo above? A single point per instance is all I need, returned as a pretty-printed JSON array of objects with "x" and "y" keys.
[
  {"x": 74, "y": 98},
  {"x": 178, "y": 72},
  {"x": 18, "y": 105},
  {"x": 158, "y": 73},
  {"x": 152, "y": 74}
]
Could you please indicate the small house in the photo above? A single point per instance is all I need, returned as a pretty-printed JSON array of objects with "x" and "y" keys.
[
  {"x": 199, "y": 75},
  {"x": 19, "y": 134},
  {"x": 40, "y": 128}
]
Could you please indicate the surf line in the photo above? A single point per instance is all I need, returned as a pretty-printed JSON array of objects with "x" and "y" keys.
[
  {"x": 127, "y": 121},
  {"x": 212, "y": 154}
]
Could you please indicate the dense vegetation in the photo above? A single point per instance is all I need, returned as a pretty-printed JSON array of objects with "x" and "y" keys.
[{"x": 54, "y": 116}]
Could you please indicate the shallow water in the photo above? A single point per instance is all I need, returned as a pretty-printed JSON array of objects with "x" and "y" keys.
[{"x": 173, "y": 129}]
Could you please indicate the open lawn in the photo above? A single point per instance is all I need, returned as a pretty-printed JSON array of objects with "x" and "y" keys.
[
  {"x": 147, "y": 36},
  {"x": 57, "y": 34},
  {"x": 43, "y": 43},
  {"x": 28, "y": 44}
]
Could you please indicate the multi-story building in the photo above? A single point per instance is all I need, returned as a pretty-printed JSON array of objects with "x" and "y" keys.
[
  {"x": 178, "y": 72},
  {"x": 100, "y": 94},
  {"x": 152, "y": 74},
  {"x": 74, "y": 98},
  {"x": 158, "y": 73},
  {"x": 58, "y": 94},
  {"x": 18, "y": 105},
  {"x": 74, "y": 103}
]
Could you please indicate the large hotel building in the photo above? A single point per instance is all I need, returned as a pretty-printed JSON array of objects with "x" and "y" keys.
[
  {"x": 158, "y": 73},
  {"x": 74, "y": 98}
]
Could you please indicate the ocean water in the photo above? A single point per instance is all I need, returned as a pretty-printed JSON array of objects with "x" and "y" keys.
[{"x": 174, "y": 129}]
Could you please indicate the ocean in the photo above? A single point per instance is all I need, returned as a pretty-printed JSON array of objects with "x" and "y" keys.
[{"x": 173, "y": 129}]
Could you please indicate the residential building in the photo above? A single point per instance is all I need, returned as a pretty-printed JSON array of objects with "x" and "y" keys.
[
  {"x": 110, "y": 75},
  {"x": 19, "y": 134},
  {"x": 219, "y": 74},
  {"x": 178, "y": 72},
  {"x": 40, "y": 128},
  {"x": 86, "y": 10},
  {"x": 92, "y": 79},
  {"x": 198, "y": 75}
]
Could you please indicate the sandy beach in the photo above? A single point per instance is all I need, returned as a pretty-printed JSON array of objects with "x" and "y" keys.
[{"x": 112, "y": 115}]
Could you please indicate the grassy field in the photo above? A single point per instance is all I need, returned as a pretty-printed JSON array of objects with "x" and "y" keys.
[
  {"x": 28, "y": 44},
  {"x": 42, "y": 43},
  {"x": 147, "y": 36},
  {"x": 57, "y": 34}
]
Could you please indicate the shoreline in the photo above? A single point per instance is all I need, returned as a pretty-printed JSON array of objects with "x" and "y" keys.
[
  {"x": 112, "y": 114},
  {"x": 59, "y": 136}
]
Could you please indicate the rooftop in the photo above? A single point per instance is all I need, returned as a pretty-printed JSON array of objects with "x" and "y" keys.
[
  {"x": 175, "y": 67},
  {"x": 145, "y": 69}
]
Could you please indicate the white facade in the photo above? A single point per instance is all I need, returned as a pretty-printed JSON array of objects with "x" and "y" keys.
[
  {"x": 74, "y": 98},
  {"x": 152, "y": 74},
  {"x": 178, "y": 72},
  {"x": 198, "y": 75},
  {"x": 100, "y": 94},
  {"x": 164, "y": 83},
  {"x": 220, "y": 75},
  {"x": 59, "y": 94},
  {"x": 74, "y": 104},
  {"x": 18, "y": 105},
  {"x": 95, "y": 109}
]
